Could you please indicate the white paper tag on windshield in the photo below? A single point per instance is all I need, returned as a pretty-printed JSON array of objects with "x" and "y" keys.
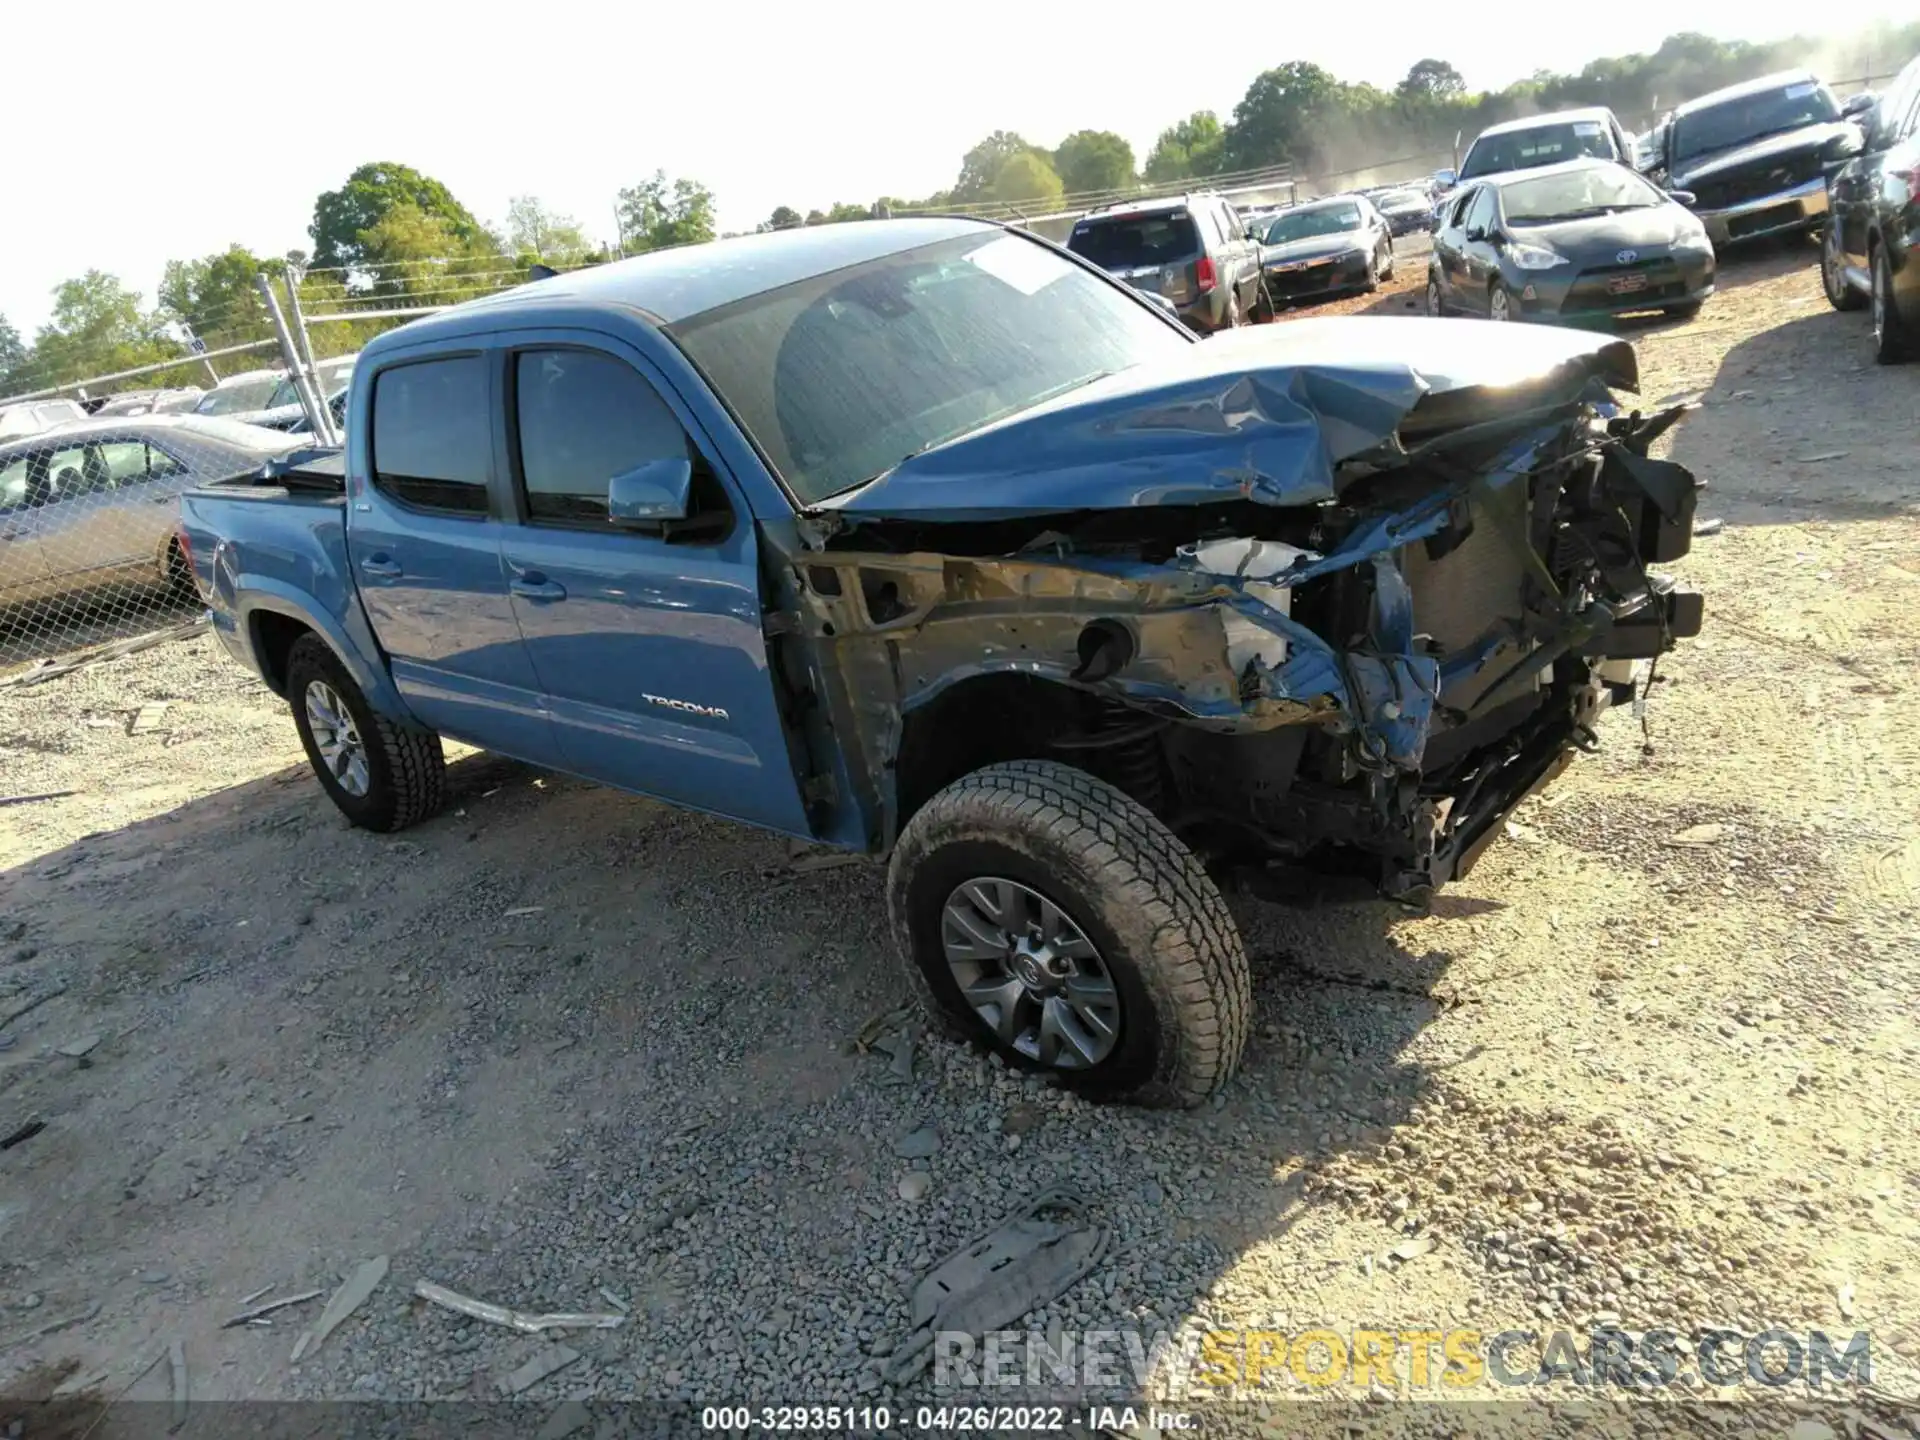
[
  {"x": 1586, "y": 127},
  {"x": 1801, "y": 90},
  {"x": 1019, "y": 263}
]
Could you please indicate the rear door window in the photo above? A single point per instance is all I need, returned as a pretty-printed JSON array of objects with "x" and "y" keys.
[
  {"x": 433, "y": 434},
  {"x": 1119, "y": 242}
]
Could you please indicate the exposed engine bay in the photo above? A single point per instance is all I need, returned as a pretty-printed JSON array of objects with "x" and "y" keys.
[{"x": 1369, "y": 634}]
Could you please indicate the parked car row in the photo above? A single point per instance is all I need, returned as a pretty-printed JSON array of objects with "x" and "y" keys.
[
  {"x": 1566, "y": 216},
  {"x": 1869, "y": 256}
]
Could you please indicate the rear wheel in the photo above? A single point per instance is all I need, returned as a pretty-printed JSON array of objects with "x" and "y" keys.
[
  {"x": 1235, "y": 318},
  {"x": 1050, "y": 917},
  {"x": 179, "y": 577},
  {"x": 382, "y": 776},
  {"x": 1833, "y": 274},
  {"x": 1893, "y": 341}
]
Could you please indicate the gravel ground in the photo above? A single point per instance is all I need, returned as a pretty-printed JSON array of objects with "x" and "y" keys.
[{"x": 561, "y": 1042}]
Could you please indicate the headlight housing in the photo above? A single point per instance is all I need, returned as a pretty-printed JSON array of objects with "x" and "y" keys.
[
  {"x": 1694, "y": 240},
  {"x": 1534, "y": 257}
]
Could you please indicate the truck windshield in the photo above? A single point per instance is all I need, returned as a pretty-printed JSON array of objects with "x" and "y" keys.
[
  {"x": 840, "y": 377},
  {"x": 1538, "y": 145},
  {"x": 1734, "y": 122}
]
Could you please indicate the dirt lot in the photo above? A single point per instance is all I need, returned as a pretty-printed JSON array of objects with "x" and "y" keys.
[{"x": 561, "y": 1042}]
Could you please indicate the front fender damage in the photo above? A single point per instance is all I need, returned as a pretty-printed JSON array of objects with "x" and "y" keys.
[{"x": 1204, "y": 629}]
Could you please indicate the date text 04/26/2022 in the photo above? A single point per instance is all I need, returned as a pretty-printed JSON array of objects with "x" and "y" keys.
[{"x": 878, "y": 1419}]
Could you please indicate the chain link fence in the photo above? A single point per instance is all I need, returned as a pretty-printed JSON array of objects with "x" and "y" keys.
[{"x": 92, "y": 466}]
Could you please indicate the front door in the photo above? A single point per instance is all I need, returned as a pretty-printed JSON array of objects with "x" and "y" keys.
[
  {"x": 648, "y": 643},
  {"x": 424, "y": 548},
  {"x": 24, "y": 493}
]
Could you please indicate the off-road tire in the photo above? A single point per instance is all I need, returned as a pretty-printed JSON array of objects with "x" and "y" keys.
[
  {"x": 406, "y": 769},
  {"x": 1143, "y": 899}
]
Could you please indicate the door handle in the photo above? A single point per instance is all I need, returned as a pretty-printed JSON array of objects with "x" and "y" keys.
[
  {"x": 381, "y": 566},
  {"x": 532, "y": 585}
]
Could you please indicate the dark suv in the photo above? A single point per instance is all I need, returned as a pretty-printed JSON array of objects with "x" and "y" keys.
[
  {"x": 1755, "y": 157},
  {"x": 1871, "y": 254},
  {"x": 1192, "y": 250}
]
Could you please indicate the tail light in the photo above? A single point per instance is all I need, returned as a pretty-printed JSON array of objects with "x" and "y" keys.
[{"x": 1203, "y": 275}]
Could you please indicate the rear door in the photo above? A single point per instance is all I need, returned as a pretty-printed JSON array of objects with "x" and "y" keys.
[
  {"x": 648, "y": 643},
  {"x": 423, "y": 542},
  {"x": 1242, "y": 266}
]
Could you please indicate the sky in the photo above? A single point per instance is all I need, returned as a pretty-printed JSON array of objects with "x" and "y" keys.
[{"x": 176, "y": 138}]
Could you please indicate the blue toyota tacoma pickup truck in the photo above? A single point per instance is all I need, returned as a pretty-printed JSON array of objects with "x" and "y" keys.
[{"x": 926, "y": 539}]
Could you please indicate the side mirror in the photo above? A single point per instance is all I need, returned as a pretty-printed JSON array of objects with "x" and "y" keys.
[
  {"x": 1859, "y": 104},
  {"x": 1683, "y": 197},
  {"x": 1476, "y": 234},
  {"x": 656, "y": 491}
]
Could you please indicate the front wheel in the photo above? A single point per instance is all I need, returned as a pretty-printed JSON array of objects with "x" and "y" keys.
[
  {"x": 1436, "y": 304},
  {"x": 1386, "y": 272},
  {"x": 1054, "y": 919},
  {"x": 1499, "y": 303},
  {"x": 382, "y": 776}
]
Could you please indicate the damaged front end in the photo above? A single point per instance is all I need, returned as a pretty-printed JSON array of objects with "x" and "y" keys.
[{"x": 1350, "y": 594}]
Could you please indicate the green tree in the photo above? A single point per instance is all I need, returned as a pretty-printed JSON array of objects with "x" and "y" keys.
[
  {"x": 1090, "y": 161},
  {"x": 416, "y": 254},
  {"x": 1287, "y": 115},
  {"x": 1027, "y": 182},
  {"x": 980, "y": 167},
  {"x": 215, "y": 296},
  {"x": 537, "y": 233},
  {"x": 97, "y": 327},
  {"x": 343, "y": 217},
  {"x": 13, "y": 357},
  {"x": 1191, "y": 148},
  {"x": 1431, "y": 80},
  {"x": 655, "y": 214},
  {"x": 784, "y": 217}
]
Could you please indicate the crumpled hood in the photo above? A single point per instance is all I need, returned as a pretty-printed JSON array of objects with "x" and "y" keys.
[
  {"x": 1772, "y": 147},
  {"x": 1261, "y": 414}
]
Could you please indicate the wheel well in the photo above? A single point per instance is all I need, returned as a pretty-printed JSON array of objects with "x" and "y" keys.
[
  {"x": 993, "y": 718},
  {"x": 273, "y": 640}
]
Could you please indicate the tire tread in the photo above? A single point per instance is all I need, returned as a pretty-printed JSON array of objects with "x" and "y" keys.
[{"x": 1196, "y": 959}]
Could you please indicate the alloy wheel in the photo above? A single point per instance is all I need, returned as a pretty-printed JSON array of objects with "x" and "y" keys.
[
  {"x": 337, "y": 739},
  {"x": 1030, "y": 973}
]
